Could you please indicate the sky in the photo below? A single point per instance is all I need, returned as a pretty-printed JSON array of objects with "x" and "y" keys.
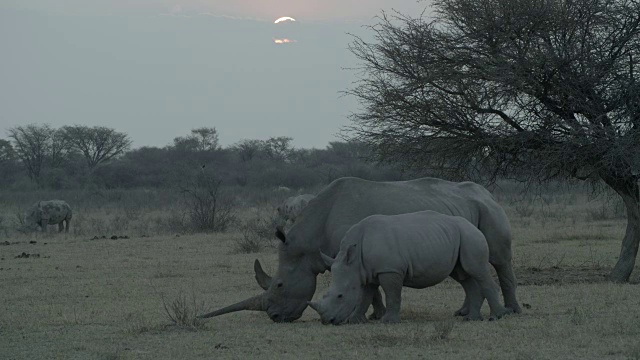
[{"x": 155, "y": 69}]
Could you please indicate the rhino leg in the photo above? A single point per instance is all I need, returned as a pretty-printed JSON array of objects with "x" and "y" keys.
[
  {"x": 66, "y": 225},
  {"x": 359, "y": 315},
  {"x": 471, "y": 288},
  {"x": 508, "y": 285},
  {"x": 490, "y": 292},
  {"x": 473, "y": 260},
  {"x": 473, "y": 299},
  {"x": 392, "y": 285},
  {"x": 378, "y": 305},
  {"x": 60, "y": 226}
]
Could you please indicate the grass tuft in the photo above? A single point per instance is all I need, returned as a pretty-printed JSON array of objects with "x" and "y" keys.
[{"x": 183, "y": 311}]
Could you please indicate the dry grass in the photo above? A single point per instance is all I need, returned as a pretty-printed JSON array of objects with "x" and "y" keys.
[{"x": 100, "y": 299}]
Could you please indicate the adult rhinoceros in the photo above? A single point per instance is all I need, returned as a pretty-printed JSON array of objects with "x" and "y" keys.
[
  {"x": 44, "y": 213},
  {"x": 346, "y": 201}
]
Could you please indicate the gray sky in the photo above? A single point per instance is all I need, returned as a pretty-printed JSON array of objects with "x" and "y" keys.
[{"x": 156, "y": 68}]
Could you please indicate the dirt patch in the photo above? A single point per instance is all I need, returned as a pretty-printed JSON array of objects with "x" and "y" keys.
[
  {"x": 112, "y": 237},
  {"x": 25, "y": 255},
  {"x": 7, "y": 243},
  {"x": 562, "y": 275}
]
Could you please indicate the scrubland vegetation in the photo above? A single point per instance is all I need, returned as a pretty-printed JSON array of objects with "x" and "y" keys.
[{"x": 128, "y": 280}]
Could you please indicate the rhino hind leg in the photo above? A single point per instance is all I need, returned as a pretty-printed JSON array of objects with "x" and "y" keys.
[
  {"x": 378, "y": 305},
  {"x": 66, "y": 225},
  {"x": 392, "y": 285},
  {"x": 60, "y": 226},
  {"x": 508, "y": 285},
  {"x": 479, "y": 286}
]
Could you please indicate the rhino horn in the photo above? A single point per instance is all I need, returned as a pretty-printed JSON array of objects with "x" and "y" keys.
[
  {"x": 328, "y": 260},
  {"x": 314, "y": 305},
  {"x": 262, "y": 278},
  {"x": 255, "y": 303}
]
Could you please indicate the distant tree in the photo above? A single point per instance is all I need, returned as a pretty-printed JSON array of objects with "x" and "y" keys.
[
  {"x": 248, "y": 148},
  {"x": 200, "y": 139},
  {"x": 32, "y": 144},
  {"x": 59, "y": 149},
  {"x": 529, "y": 90},
  {"x": 8, "y": 163},
  {"x": 350, "y": 149},
  {"x": 185, "y": 143},
  {"x": 278, "y": 148},
  {"x": 207, "y": 138},
  {"x": 97, "y": 144},
  {"x": 6, "y": 151}
]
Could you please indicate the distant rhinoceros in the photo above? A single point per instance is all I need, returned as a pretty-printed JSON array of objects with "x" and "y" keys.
[
  {"x": 346, "y": 201},
  {"x": 44, "y": 213},
  {"x": 416, "y": 250},
  {"x": 293, "y": 206}
]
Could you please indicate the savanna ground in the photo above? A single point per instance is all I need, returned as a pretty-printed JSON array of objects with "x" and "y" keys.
[{"x": 82, "y": 296}]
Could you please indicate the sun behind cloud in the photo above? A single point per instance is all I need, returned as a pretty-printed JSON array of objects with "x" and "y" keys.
[{"x": 284, "y": 18}]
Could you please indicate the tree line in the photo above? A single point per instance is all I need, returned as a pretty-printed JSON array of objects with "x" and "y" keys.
[{"x": 38, "y": 155}]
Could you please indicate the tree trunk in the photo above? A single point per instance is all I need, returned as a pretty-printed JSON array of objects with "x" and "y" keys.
[{"x": 628, "y": 190}]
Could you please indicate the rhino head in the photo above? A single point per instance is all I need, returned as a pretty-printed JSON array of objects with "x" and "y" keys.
[
  {"x": 34, "y": 217},
  {"x": 288, "y": 292},
  {"x": 340, "y": 303}
]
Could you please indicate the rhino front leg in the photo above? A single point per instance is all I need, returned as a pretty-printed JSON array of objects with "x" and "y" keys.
[
  {"x": 378, "y": 305},
  {"x": 392, "y": 285},
  {"x": 471, "y": 288},
  {"x": 473, "y": 299},
  {"x": 367, "y": 298}
]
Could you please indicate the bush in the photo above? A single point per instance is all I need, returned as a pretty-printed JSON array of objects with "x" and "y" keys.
[
  {"x": 256, "y": 232},
  {"x": 208, "y": 208},
  {"x": 183, "y": 311}
]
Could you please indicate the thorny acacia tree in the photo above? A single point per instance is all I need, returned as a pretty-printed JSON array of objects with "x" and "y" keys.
[
  {"x": 36, "y": 145},
  {"x": 97, "y": 144},
  {"x": 527, "y": 89}
]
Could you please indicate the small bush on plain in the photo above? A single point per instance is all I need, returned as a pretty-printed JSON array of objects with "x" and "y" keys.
[
  {"x": 208, "y": 208},
  {"x": 257, "y": 231},
  {"x": 183, "y": 311}
]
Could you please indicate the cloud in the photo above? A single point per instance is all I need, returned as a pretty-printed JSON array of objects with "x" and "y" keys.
[{"x": 283, "y": 41}]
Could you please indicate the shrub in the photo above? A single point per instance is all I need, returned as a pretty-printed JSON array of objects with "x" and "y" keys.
[
  {"x": 183, "y": 311},
  {"x": 208, "y": 208},
  {"x": 256, "y": 232}
]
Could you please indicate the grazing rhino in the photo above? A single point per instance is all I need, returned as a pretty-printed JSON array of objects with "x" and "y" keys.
[
  {"x": 416, "y": 250},
  {"x": 346, "y": 201},
  {"x": 293, "y": 206},
  {"x": 44, "y": 213}
]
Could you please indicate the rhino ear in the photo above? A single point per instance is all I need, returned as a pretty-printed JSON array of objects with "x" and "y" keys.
[
  {"x": 280, "y": 233},
  {"x": 351, "y": 254},
  {"x": 328, "y": 260}
]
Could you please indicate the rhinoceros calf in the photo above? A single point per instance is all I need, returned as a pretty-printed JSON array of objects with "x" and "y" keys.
[
  {"x": 416, "y": 250},
  {"x": 293, "y": 206},
  {"x": 44, "y": 213}
]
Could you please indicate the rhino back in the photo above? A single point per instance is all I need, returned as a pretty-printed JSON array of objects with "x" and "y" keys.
[
  {"x": 56, "y": 211},
  {"x": 423, "y": 246},
  {"x": 343, "y": 203},
  {"x": 357, "y": 199}
]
